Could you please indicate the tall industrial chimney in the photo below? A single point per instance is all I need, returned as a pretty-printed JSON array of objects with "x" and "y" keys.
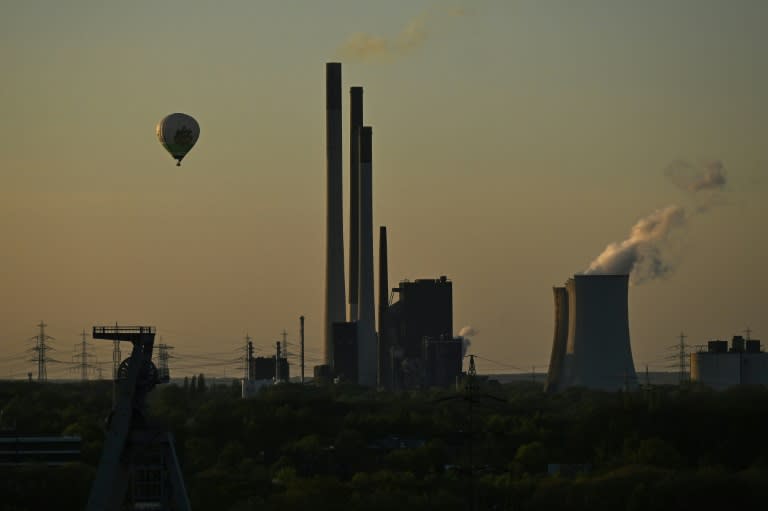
[
  {"x": 335, "y": 306},
  {"x": 366, "y": 333},
  {"x": 383, "y": 277},
  {"x": 559, "y": 344},
  {"x": 355, "y": 124},
  {"x": 598, "y": 353},
  {"x": 301, "y": 321},
  {"x": 383, "y": 348}
]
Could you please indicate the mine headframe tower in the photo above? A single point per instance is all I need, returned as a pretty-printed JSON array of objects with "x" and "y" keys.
[{"x": 138, "y": 467}]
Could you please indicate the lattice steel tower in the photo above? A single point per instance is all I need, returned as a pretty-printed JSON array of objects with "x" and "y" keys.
[
  {"x": 82, "y": 356},
  {"x": 41, "y": 348}
]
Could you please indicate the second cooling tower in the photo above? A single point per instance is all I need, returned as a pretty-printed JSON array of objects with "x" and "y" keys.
[{"x": 597, "y": 353}]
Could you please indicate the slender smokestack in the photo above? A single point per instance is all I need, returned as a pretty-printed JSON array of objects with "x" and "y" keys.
[
  {"x": 366, "y": 337},
  {"x": 301, "y": 321},
  {"x": 383, "y": 348},
  {"x": 355, "y": 124},
  {"x": 383, "y": 278},
  {"x": 334, "y": 256}
]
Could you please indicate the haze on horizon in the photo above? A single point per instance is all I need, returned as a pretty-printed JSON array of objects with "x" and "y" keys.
[{"x": 513, "y": 142}]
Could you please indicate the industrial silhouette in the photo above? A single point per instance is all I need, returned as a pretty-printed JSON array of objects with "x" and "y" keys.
[
  {"x": 138, "y": 463},
  {"x": 414, "y": 345}
]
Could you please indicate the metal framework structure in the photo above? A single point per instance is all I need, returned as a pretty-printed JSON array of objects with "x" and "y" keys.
[
  {"x": 41, "y": 348},
  {"x": 82, "y": 356},
  {"x": 138, "y": 467}
]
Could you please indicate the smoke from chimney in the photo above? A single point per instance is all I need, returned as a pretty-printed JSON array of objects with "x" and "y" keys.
[
  {"x": 640, "y": 254},
  {"x": 364, "y": 46},
  {"x": 465, "y": 333}
]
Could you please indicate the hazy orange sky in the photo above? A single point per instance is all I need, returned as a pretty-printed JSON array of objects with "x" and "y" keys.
[{"x": 513, "y": 140}]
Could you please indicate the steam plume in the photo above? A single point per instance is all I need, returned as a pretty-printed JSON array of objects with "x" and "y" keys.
[
  {"x": 364, "y": 46},
  {"x": 640, "y": 254}
]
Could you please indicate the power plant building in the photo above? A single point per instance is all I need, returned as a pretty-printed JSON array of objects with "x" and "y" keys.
[
  {"x": 345, "y": 357},
  {"x": 263, "y": 368},
  {"x": 424, "y": 311},
  {"x": 442, "y": 361},
  {"x": 720, "y": 367},
  {"x": 591, "y": 346}
]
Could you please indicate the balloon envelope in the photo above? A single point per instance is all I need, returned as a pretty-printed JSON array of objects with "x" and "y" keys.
[{"x": 178, "y": 134}]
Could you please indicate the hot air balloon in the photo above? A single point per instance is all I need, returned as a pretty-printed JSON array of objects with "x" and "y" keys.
[{"x": 178, "y": 134}]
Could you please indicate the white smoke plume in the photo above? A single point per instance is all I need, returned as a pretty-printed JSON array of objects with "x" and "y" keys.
[
  {"x": 364, "y": 46},
  {"x": 640, "y": 254},
  {"x": 465, "y": 333}
]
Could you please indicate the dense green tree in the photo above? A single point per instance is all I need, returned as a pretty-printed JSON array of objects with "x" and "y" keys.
[{"x": 344, "y": 446}]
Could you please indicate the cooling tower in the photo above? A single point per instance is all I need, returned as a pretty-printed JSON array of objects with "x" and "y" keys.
[
  {"x": 335, "y": 306},
  {"x": 560, "y": 342},
  {"x": 598, "y": 354},
  {"x": 366, "y": 337}
]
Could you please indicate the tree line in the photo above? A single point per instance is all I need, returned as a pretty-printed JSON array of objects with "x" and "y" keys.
[{"x": 296, "y": 446}]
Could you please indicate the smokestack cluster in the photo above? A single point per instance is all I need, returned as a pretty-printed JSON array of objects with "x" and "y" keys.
[{"x": 361, "y": 280}]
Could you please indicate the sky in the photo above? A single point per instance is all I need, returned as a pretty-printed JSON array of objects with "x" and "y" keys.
[{"x": 513, "y": 142}]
